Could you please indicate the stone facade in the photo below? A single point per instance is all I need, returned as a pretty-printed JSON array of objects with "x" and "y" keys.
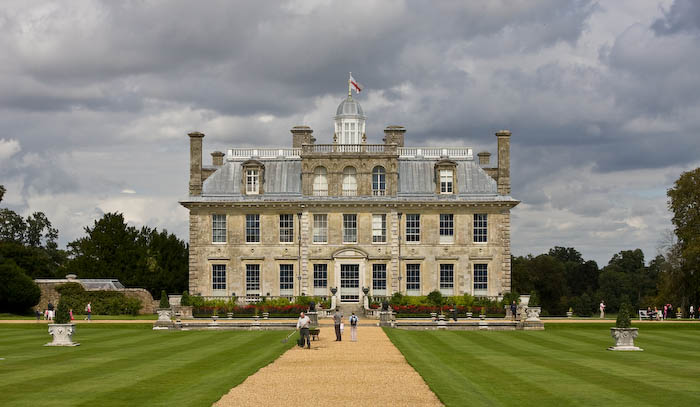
[{"x": 412, "y": 200}]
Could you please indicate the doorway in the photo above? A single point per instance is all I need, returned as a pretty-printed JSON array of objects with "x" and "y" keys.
[{"x": 350, "y": 283}]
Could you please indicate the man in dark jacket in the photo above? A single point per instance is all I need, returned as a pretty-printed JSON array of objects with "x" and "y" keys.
[{"x": 337, "y": 320}]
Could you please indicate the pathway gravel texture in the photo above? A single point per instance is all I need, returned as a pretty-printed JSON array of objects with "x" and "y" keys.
[{"x": 369, "y": 372}]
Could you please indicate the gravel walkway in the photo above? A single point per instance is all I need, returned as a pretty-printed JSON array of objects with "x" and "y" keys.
[{"x": 370, "y": 372}]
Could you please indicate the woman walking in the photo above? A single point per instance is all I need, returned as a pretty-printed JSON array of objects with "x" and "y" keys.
[{"x": 353, "y": 327}]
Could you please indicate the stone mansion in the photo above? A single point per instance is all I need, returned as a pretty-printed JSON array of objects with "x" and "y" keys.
[{"x": 348, "y": 216}]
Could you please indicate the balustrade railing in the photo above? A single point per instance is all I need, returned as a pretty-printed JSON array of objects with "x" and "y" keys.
[{"x": 403, "y": 152}]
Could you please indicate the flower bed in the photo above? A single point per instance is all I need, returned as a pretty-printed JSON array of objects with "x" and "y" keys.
[{"x": 247, "y": 311}]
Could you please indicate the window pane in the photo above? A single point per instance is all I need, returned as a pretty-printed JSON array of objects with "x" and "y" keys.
[
  {"x": 379, "y": 276},
  {"x": 412, "y": 277},
  {"x": 286, "y": 277},
  {"x": 349, "y": 181},
  {"x": 378, "y": 181},
  {"x": 446, "y": 181},
  {"x": 320, "y": 182},
  {"x": 480, "y": 277},
  {"x": 480, "y": 227},
  {"x": 446, "y": 224},
  {"x": 350, "y": 228},
  {"x": 218, "y": 276},
  {"x": 320, "y": 275},
  {"x": 413, "y": 228},
  {"x": 286, "y": 228},
  {"x": 252, "y": 228},
  {"x": 446, "y": 276},
  {"x": 379, "y": 228},
  {"x": 252, "y": 278},
  {"x": 252, "y": 181},
  {"x": 218, "y": 228},
  {"x": 321, "y": 228}
]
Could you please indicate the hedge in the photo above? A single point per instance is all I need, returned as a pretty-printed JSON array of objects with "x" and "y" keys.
[{"x": 102, "y": 302}]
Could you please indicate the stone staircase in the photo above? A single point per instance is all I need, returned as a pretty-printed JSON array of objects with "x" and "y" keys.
[{"x": 348, "y": 309}]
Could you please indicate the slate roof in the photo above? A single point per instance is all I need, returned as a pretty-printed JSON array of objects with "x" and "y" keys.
[{"x": 416, "y": 181}]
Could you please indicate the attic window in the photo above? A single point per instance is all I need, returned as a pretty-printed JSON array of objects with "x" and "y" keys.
[
  {"x": 252, "y": 181},
  {"x": 446, "y": 181}
]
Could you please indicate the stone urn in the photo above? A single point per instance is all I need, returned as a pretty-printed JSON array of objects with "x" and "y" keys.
[
  {"x": 469, "y": 315},
  {"x": 164, "y": 314},
  {"x": 533, "y": 314},
  {"x": 482, "y": 316},
  {"x": 214, "y": 317},
  {"x": 569, "y": 314},
  {"x": 266, "y": 315},
  {"x": 433, "y": 315},
  {"x": 62, "y": 335},
  {"x": 624, "y": 338}
]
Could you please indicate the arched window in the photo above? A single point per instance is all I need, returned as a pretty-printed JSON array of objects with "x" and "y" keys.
[
  {"x": 320, "y": 182},
  {"x": 349, "y": 181},
  {"x": 378, "y": 181}
]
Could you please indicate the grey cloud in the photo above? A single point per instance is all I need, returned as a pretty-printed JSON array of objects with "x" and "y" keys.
[{"x": 683, "y": 15}]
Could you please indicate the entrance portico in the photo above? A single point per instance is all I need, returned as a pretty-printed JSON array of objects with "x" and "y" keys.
[{"x": 350, "y": 266}]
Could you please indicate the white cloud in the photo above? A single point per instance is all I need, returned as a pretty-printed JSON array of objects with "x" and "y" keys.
[{"x": 8, "y": 148}]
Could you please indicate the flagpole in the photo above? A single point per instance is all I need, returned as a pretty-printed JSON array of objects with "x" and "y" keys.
[{"x": 349, "y": 85}]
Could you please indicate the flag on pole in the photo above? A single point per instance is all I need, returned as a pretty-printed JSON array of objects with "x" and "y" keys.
[{"x": 358, "y": 87}]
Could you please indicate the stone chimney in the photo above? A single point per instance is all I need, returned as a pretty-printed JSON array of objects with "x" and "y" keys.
[
  {"x": 484, "y": 158},
  {"x": 217, "y": 158},
  {"x": 302, "y": 135},
  {"x": 196, "y": 163},
  {"x": 394, "y": 135},
  {"x": 503, "y": 162}
]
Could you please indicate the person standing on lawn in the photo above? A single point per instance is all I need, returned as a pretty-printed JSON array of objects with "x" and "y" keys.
[
  {"x": 337, "y": 320},
  {"x": 514, "y": 310},
  {"x": 692, "y": 312},
  {"x": 602, "y": 309},
  {"x": 88, "y": 310},
  {"x": 353, "y": 327},
  {"x": 303, "y": 327}
]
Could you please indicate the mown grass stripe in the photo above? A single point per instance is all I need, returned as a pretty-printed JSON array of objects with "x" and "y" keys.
[{"x": 609, "y": 376}]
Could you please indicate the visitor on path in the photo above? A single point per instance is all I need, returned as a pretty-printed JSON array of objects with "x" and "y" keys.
[
  {"x": 602, "y": 309},
  {"x": 665, "y": 311},
  {"x": 353, "y": 327},
  {"x": 50, "y": 311},
  {"x": 692, "y": 312},
  {"x": 513, "y": 310},
  {"x": 88, "y": 310},
  {"x": 38, "y": 315},
  {"x": 70, "y": 312},
  {"x": 454, "y": 312},
  {"x": 337, "y": 320},
  {"x": 303, "y": 327},
  {"x": 657, "y": 313}
]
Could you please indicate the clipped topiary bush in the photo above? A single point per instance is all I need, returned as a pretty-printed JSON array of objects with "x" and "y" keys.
[
  {"x": 103, "y": 302},
  {"x": 185, "y": 299},
  {"x": 534, "y": 299},
  {"x": 62, "y": 313},
  {"x": 623, "y": 317},
  {"x": 164, "y": 303}
]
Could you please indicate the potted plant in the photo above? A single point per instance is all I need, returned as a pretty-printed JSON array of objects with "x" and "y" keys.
[
  {"x": 185, "y": 305},
  {"x": 570, "y": 313},
  {"x": 679, "y": 313},
  {"x": 215, "y": 314},
  {"x": 62, "y": 329},
  {"x": 482, "y": 314},
  {"x": 623, "y": 333},
  {"x": 165, "y": 314},
  {"x": 469, "y": 312}
]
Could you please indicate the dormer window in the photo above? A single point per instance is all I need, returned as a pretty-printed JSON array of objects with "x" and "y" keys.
[
  {"x": 445, "y": 177},
  {"x": 378, "y": 181},
  {"x": 320, "y": 181},
  {"x": 252, "y": 181},
  {"x": 446, "y": 181},
  {"x": 253, "y": 177},
  {"x": 349, "y": 181}
]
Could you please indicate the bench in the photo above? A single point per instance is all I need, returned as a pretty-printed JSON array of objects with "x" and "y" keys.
[{"x": 644, "y": 314}]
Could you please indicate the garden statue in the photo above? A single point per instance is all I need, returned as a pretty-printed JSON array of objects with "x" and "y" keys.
[
  {"x": 385, "y": 305},
  {"x": 312, "y": 306}
]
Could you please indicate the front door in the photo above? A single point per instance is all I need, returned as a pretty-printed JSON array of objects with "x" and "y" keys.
[{"x": 349, "y": 283}]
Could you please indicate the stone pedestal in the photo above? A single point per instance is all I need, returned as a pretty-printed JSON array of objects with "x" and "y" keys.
[
  {"x": 433, "y": 315},
  {"x": 385, "y": 318},
  {"x": 62, "y": 335},
  {"x": 624, "y": 338},
  {"x": 442, "y": 324},
  {"x": 313, "y": 316},
  {"x": 533, "y": 314},
  {"x": 165, "y": 319},
  {"x": 266, "y": 315}
]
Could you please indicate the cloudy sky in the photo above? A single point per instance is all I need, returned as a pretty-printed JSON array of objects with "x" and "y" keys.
[{"x": 603, "y": 99}]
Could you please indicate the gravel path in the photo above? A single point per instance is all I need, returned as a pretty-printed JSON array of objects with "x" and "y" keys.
[{"x": 370, "y": 372}]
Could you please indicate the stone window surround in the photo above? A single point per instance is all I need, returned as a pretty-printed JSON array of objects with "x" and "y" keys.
[
  {"x": 253, "y": 278},
  {"x": 253, "y": 234},
  {"x": 252, "y": 165},
  {"x": 218, "y": 222},
  {"x": 445, "y": 164},
  {"x": 383, "y": 229},
  {"x": 480, "y": 228},
  {"x": 287, "y": 226},
  {"x": 218, "y": 277},
  {"x": 379, "y": 173}
]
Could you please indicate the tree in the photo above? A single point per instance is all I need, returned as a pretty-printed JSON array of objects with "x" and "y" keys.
[
  {"x": 684, "y": 202},
  {"x": 2, "y": 192},
  {"x": 137, "y": 258},
  {"x": 17, "y": 291}
]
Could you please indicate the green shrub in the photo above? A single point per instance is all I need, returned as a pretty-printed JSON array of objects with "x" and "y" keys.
[
  {"x": 164, "y": 303},
  {"x": 103, "y": 302},
  {"x": 508, "y": 298},
  {"x": 435, "y": 298},
  {"x": 197, "y": 301},
  {"x": 185, "y": 299},
  {"x": 623, "y": 317},
  {"x": 534, "y": 299},
  {"x": 17, "y": 290},
  {"x": 62, "y": 313}
]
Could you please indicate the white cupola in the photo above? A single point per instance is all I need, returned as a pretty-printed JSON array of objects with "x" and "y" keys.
[{"x": 349, "y": 121}]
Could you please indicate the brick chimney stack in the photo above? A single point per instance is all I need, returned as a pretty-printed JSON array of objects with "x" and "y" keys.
[
  {"x": 394, "y": 135},
  {"x": 302, "y": 135},
  {"x": 217, "y": 158},
  {"x": 196, "y": 163},
  {"x": 484, "y": 158},
  {"x": 503, "y": 162}
]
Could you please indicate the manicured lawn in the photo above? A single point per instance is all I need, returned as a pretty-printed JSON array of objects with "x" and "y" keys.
[
  {"x": 567, "y": 364},
  {"x": 130, "y": 364},
  {"x": 81, "y": 317}
]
